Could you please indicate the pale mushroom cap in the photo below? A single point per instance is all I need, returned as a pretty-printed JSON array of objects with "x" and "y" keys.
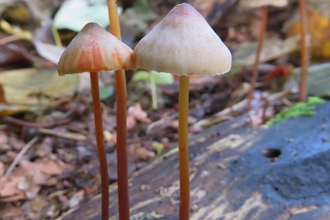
[
  {"x": 260, "y": 3},
  {"x": 94, "y": 49},
  {"x": 183, "y": 43}
]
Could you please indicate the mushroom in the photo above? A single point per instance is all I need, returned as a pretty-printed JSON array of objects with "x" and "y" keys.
[
  {"x": 93, "y": 50},
  {"x": 255, "y": 4},
  {"x": 183, "y": 43}
]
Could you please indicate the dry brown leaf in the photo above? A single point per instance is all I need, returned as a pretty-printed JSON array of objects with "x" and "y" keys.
[
  {"x": 38, "y": 203},
  {"x": 29, "y": 187},
  {"x": 138, "y": 113},
  {"x": 3, "y": 138},
  {"x": 16, "y": 143},
  {"x": 47, "y": 166},
  {"x": 130, "y": 121},
  {"x": 8, "y": 211},
  {"x": 9, "y": 187},
  {"x": 2, "y": 169},
  {"x": 110, "y": 138},
  {"x": 140, "y": 153},
  {"x": 76, "y": 198}
]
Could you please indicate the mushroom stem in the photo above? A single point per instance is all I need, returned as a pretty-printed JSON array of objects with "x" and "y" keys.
[
  {"x": 100, "y": 144},
  {"x": 183, "y": 148},
  {"x": 123, "y": 195},
  {"x": 122, "y": 170},
  {"x": 260, "y": 42},
  {"x": 153, "y": 91},
  {"x": 304, "y": 52}
]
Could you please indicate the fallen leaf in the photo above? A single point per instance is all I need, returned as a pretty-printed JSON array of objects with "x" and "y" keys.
[
  {"x": 35, "y": 89},
  {"x": 2, "y": 169},
  {"x": 38, "y": 203},
  {"x": 76, "y": 198},
  {"x": 140, "y": 153},
  {"x": 50, "y": 167},
  {"x": 110, "y": 138},
  {"x": 2, "y": 96},
  {"x": 319, "y": 29},
  {"x": 27, "y": 185},
  {"x": 272, "y": 48},
  {"x": 9, "y": 186},
  {"x": 75, "y": 14},
  {"x": 3, "y": 139},
  {"x": 8, "y": 211},
  {"x": 318, "y": 79},
  {"x": 158, "y": 147},
  {"x": 48, "y": 51},
  {"x": 138, "y": 113}
]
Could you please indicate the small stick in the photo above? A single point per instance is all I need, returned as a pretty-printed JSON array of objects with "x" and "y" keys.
[
  {"x": 121, "y": 96},
  {"x": 260, "y": 43},
  {"x": 64, "y": 120},
  {"x": 183, "y": 148},
  {"x": 9, "y": 39},
  {"x": 304, "y": 52},
  {"x": 19, "y": 156},
  {"x": 66, "y": 135}
]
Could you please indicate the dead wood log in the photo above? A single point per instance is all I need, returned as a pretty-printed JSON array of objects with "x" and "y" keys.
[{"x": 277, "y": 172}]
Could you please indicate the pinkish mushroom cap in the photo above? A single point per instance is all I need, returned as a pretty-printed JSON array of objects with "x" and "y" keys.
[
  {"x": 183, "y": 43},
  {"x": 94, "y": 49},
  {"x": 260, "y": 3}
]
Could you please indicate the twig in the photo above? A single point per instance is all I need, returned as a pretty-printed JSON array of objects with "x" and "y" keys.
[
  {"x": 19, "y": 156},
  {"x": 65, "y": 119},
  {"x": 67, "y": 135},
  {"x": 159, "y": 122},
  {"x": 8, "y": 39}
]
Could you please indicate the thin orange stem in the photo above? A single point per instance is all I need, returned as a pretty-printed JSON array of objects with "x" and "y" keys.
[
  {"x": 122, "y": 170},
  {"x": 100, "y": 144},
  {"x": 256, "y": 64},
  {"x": 114, "y": 19},
  {"x": 304, "y": 58},
  {"x": 183, "y": 148}
]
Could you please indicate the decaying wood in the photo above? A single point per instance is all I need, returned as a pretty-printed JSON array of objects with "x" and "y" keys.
[{"x": 233, "y": 176}]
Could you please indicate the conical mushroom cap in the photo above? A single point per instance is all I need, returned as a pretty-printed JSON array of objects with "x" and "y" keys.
[
  {"x": 260, "y": 3},
  {"x": 94, "y": 49},
  {"x": 183, "y": 43}
]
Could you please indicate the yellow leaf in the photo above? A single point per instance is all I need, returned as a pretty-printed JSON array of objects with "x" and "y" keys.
[
  {"x": 319, "y": 29},
  {"x": 32, "y": 89}
]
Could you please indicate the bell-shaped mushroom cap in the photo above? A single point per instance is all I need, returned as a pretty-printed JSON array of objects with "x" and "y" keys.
[
  {"x": 183, "y": 43},
  {"x": 260, "y": 3},
  {"x": 94, "y": 49}
]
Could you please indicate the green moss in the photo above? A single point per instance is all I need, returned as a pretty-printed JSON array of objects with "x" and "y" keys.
[{"x": 300, "y": 109}]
